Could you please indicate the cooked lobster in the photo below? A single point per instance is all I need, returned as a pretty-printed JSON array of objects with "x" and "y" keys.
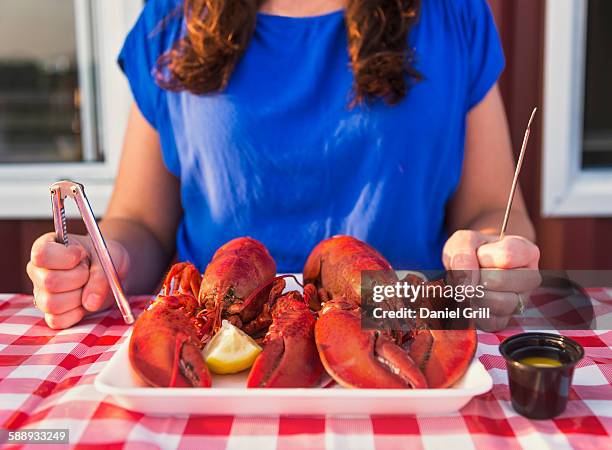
[
  {"x": 357, "y": 357},
  {"x": 238, "y": 269},
  {"x": 239, "y": 285},
  {"x": 166, "y": 343},
  {"x": 290, "y": 357}
]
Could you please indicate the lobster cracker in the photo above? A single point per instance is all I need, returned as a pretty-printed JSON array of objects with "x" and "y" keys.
[{"x": 67, "y": 188}]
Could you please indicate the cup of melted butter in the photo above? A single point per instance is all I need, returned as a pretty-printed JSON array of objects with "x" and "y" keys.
[{"x": 540, "y": 371}]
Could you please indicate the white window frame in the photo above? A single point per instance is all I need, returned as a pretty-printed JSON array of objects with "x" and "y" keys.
[
  {"x": 567, "y": 188},
  {"x": 24, "y": 187}
]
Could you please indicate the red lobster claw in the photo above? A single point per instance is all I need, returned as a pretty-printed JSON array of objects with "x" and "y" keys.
[
  {"x": 165, "y": 347},
  {"x": 290, "y": 357},
  {"x": 358, "y": 358},
  {"x": 443, "y": 355}
]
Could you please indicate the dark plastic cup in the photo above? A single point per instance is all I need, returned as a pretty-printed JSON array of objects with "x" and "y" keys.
[{"x": 540, "y": 392}]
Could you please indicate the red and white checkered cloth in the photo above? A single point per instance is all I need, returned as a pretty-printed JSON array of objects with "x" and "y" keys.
[{"x": 46, "y": 381}]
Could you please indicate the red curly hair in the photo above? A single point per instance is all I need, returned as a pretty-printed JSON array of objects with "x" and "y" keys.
[{"x": 219, "y": 31}]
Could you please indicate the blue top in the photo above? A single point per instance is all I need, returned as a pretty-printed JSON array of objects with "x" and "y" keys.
[{"x": 280, "y": 157}]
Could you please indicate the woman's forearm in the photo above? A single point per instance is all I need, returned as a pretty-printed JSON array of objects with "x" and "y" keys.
[
  {"x": 148, "y": 257},
  {"x": 143, "y": 216},
  {"x": 490, "y": 222}
]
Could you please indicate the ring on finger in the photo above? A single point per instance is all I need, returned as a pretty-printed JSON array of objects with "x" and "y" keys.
[{"x": 520, "y": 307}]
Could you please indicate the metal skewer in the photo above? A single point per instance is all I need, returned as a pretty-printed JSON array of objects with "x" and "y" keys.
[
  {"x": 517, "y": 172},
  {"x": 67, "y": 188}
]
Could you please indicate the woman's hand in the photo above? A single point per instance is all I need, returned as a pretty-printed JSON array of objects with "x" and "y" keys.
[
  {"x": 482, "y": 256},
  {"x": 467, "y": 249},
  {"x": 69, "y": 282}
]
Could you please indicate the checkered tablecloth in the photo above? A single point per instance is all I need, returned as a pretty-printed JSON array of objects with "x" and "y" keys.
[{"x": 46, "y": 381}]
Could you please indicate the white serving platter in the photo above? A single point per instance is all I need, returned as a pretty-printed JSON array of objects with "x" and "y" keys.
[{"x": 230, "y": 396}]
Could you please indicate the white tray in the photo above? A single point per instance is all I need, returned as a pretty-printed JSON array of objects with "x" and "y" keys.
[{"x": 229, "y": 395}]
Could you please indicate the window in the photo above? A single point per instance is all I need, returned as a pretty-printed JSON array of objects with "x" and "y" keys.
[
  {"x": 577, "y": 138},
  {"x": 597, "y": 141},
  {"x": 44, "y": 98},
  {"x": 63, "y": 100}
]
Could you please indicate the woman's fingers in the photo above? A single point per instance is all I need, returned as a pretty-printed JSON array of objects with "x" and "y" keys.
[
  {"x": 96, "y": 293},
  {"x": 48, "y": 254},
  {"x": 470, "y": 250},
  {"x": 509, "y": 253},
  {"x": 501, "y": 308},
  {"x": 67, "y": 284},
  {"x": 493, "y": 324},
  {"x": 459, "y": 255},
  {"x": 459, "y": 252},
  {"x": 58, "y": 303},
  {"x": 57, "y": 281},
  {"x": 499, "y": 303},
  {"x": 510, "y": 280},
  {"x": 66, "y": 319}
]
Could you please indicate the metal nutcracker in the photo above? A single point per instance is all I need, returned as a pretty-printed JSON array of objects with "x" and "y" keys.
[{"x": 67, "y": 188}]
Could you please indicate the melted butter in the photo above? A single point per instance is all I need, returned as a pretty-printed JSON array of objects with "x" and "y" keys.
[{"x": 539, "y": 361}]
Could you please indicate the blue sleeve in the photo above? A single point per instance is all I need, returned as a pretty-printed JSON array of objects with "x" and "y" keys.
[
  {"x": 155, "y": 31},
  {"x": 143, "y": 45},
  {"x": 486, "y": 56}
]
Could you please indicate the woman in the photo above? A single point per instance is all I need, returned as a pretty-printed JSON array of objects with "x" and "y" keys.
[{"x": 294, "y": 121}]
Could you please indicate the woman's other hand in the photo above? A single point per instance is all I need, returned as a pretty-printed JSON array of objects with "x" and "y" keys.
[
  {"x": 467, "y": 249},
  {"x": 506, "y": 268},
  {"x": 69, "y": 282}
]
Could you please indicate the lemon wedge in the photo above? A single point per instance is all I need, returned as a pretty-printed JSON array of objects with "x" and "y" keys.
[{"x": 231, "y": 350}]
